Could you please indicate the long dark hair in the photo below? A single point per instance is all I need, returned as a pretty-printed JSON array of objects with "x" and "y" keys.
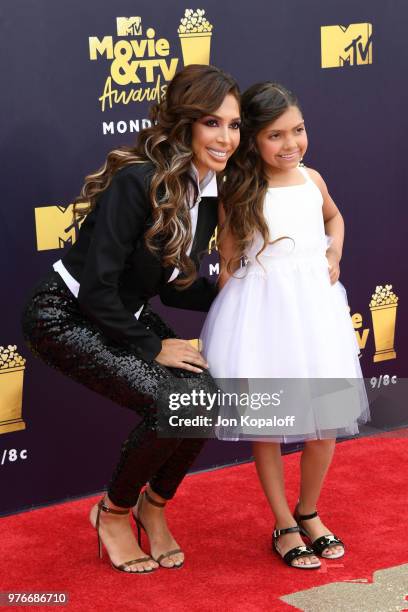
[
  {"x": 244, "y": 188},
  {"x": 196, "y": 91}
]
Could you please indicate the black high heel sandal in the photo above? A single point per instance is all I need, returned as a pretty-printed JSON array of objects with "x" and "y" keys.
[
  {"x": 123, "y": 567},
  {"x": 293, "y": 553},
  {"x": 320, "y": 544},
  {"x": 145, "y": 495}
]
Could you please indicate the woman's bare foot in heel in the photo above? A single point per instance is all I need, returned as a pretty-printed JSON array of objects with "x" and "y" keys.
[
  {"x": 161, "y": 540},
  {"x": 119, "y": 539}
]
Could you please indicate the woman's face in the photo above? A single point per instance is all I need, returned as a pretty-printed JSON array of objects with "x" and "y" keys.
[
  {"x": 283, "y": 143},
  {"x": 215, "y": 137}
]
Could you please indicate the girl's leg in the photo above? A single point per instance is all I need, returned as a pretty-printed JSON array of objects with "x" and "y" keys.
[
  {"x": 269, "y": 466},
  {"x": 315, "y": 462}
]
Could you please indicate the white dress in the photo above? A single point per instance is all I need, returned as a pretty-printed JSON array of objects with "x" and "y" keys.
[{"x": 279, "y": 317}]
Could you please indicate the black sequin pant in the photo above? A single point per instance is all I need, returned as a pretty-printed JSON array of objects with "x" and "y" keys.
[{"x": 58, "y": 332}]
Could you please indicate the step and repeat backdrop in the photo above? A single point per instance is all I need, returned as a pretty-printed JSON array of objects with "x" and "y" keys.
[{"x": 78, "y": 79}]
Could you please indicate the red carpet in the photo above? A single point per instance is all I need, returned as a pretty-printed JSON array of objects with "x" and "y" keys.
[{"x": 224, "y": 525}]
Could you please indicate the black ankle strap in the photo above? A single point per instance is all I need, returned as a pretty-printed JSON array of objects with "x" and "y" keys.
[
  {"x": 279, "y": 532},
  {"x": 106, "y": 508},
  {"x": 306, "y": 517},
  {"x": 153, "y": 501}
]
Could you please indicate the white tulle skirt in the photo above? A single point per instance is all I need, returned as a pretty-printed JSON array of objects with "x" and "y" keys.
[{"x": 282, "y": 319}]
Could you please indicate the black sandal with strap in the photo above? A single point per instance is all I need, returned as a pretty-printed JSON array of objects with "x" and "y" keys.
[
  {"x": 320, "y": 544},
  {"x": 123, "y": 567},
  {"x": 294, "y": 553},
  {"x": 145, "y": 495}
]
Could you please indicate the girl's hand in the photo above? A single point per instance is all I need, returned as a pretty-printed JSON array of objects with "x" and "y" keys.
[
  {"x": 177, "y": 353},
  {"x": 334, "y": 266}
]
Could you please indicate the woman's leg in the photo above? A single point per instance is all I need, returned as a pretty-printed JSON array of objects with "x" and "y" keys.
[
  {"x": 57, "y": 332},
  {"x": 269, "y": 466},
  {"x": 315, "y": 462},
  {"x": 145, "y": 447},
  {"x": 162, "y": 487}
]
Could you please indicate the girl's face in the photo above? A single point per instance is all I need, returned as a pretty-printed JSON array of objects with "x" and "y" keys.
[
  {"x": 215, "y": 137},
  {"x": 283, "y": 143}
]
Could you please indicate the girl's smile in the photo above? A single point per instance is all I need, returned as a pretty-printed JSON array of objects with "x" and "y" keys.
[{"x": 282, "y": 143}]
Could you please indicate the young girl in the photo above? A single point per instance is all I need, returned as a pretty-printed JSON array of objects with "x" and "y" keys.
[
  {"x": 284, "y": 315},
  {"x": 152, "y": 209}
]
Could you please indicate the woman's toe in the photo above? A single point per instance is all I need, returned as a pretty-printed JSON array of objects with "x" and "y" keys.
[
  {"x": 167, "y": 562},
  {"x": 145, "y": 566},
  {"x": 177, "y": 559},
  {"x": 133, "y": 569},
  {"x": 152, "y": 565}
]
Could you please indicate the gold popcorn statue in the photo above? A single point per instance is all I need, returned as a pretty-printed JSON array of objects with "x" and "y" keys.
[
  {"x": 383, "y": 306},
  {"x": 195, "y": 36},
  {"x": 11, "y": 389}
]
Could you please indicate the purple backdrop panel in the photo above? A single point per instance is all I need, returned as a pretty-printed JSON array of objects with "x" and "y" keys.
[{"x": 79, "y": 78}]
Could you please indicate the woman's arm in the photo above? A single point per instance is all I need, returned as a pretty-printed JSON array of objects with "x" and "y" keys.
[
  {"x": 121, "y": 219},
  {"x": 199, "y": 296},
  {"x": 334, "y": 227}
]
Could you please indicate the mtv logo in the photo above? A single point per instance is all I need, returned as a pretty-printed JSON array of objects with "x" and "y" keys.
[
  {"x": 55, "y": 227},
  {"x": 129, "y": 26},
  {"x": 346, "y": 45}
]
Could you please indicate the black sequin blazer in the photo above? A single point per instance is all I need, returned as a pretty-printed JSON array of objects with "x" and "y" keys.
[{"x": 117, "y": 273}]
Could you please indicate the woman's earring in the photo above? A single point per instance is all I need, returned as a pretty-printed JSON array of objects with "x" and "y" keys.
[{"x": 301, "y": 164}]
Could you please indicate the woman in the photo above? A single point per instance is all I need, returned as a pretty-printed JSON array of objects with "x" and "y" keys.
[{"x": 142, "y": 236}]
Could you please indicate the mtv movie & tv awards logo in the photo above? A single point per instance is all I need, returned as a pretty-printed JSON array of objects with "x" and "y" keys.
[{"x": 140, "y": 62}]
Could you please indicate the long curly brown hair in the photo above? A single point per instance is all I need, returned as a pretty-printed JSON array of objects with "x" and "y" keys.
[
  {"x": 245, "y": 183},
  {"x": 196, "y": 91}
]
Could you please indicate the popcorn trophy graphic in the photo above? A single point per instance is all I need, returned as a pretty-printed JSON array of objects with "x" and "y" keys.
[
  {"x": 383, "y": 306},
  {"x": 195, "y": 36},
  {"x": 11, "y": 389}
]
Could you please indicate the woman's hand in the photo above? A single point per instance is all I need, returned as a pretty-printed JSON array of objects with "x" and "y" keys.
[
  {"x": 177, "y": 353},
  {"x": 334, "y": 266}
]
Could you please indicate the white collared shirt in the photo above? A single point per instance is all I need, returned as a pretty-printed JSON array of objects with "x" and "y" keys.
[{"x": 206, "y": 188}]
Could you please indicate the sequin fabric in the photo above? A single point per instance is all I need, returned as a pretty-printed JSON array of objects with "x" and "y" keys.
[{"x": 58, "y": 332}]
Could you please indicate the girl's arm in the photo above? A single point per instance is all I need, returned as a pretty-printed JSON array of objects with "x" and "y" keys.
[
  {"x": 334, "y": 227},
  {"x": 226, "y": 250}
]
